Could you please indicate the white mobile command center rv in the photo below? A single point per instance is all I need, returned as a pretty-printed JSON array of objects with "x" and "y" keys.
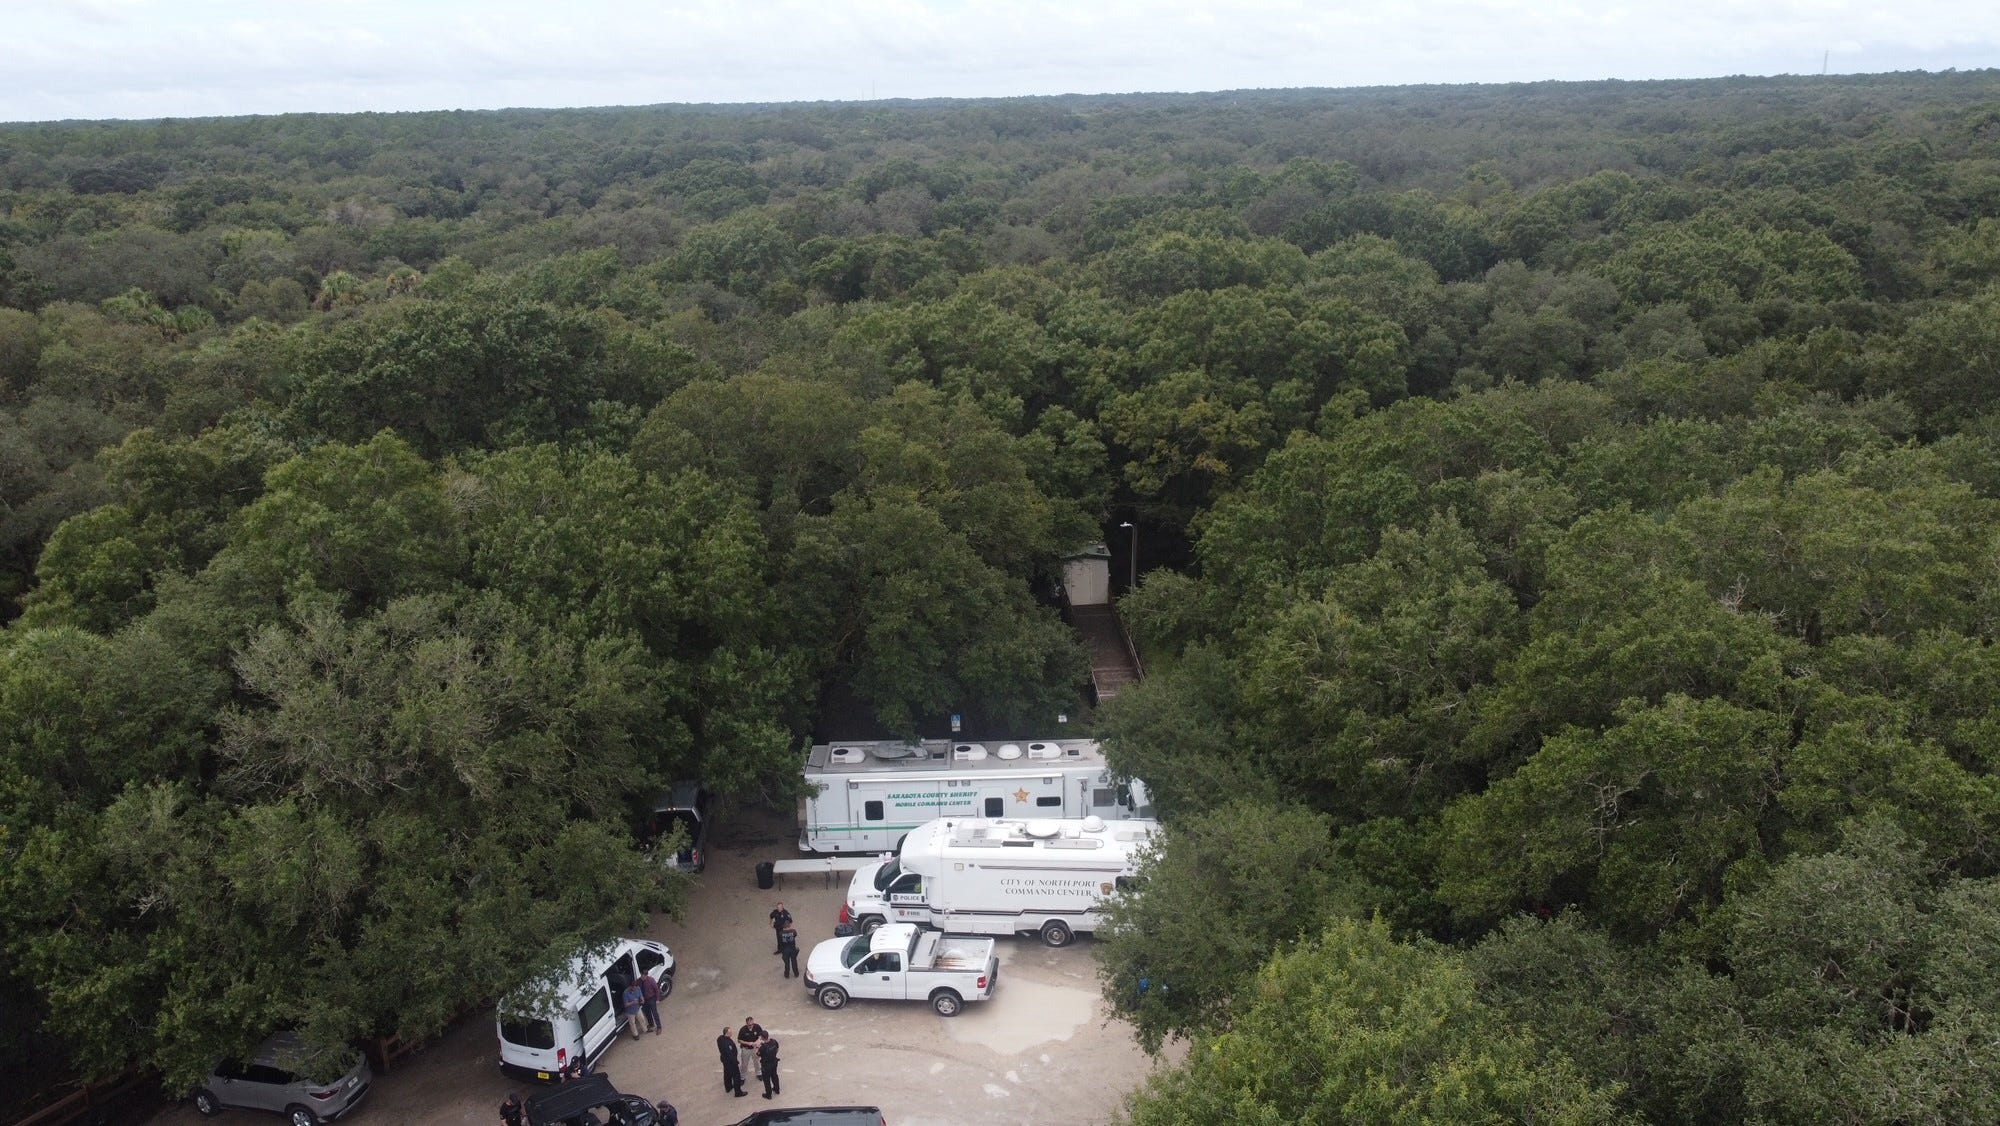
[
  {"x": 864, "y": 797},
  {"x": 547, "y": 1025},
  {"x": 977, "y": 876}
]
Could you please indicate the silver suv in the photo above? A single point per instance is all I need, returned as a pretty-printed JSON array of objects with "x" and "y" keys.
[
  {"x": 687, "y": 808},
  {"x": 273, "y": 1079}
]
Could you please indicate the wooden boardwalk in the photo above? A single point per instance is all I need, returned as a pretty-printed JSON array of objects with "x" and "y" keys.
[{"x": 1113, "y": 662}]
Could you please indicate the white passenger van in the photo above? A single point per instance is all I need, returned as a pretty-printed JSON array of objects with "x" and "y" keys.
[{"x": 573, "y": 1014}]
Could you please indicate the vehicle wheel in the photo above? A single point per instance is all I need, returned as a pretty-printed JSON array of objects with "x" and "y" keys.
[
  {"x": 946, "y": 1003},
  {"x": 832, "y": 997},
  {"x": 300, "y": 1116},
  {"x": 1055, "y": 932},
  {"x": 207, "y": 1103},
  {"x": 666, "y": 985},
  {"x": 871, "y": 923}
]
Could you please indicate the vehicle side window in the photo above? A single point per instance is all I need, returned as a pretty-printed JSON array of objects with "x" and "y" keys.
[
  {"x": 650, "y": 960},
  {"x": 1049, "y": 800},
  {"x": 594, "y": 1009},
  {"x": 871, "y": 811},
  {"x": 1103, "y": 796},
  {"x": 265, "y": 1073},
  {"x": 996, "y": 807},
  {"x": 910, "y": 884},
  {"x": 865, "y": 966},
  {"x": 888, "y": 963},
  {"x": 229, "y": 1069}
]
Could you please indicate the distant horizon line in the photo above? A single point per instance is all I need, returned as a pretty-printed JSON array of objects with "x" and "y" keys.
[{"x": 823, "y": 103}]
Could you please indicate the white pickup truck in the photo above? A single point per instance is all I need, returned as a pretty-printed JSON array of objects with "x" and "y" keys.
[{"x": 904, "y": 962}]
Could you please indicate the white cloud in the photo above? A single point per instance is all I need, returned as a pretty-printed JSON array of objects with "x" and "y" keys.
[{"x": 143, "y": 58}]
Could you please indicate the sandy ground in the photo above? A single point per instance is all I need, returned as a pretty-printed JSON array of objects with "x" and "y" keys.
[{"x": 1043, "y": 1050}]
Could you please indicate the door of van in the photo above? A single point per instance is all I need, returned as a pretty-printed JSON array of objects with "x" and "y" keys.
[
  {"x": 1049, "y": 798},
  {"x": 1109, "y": 799},
  {"x": 529, "y": 1042},
  {"x": 597, "y": 1022},
  {"x": 620, "y": 973},
  {"x": 906, "y": 899}
]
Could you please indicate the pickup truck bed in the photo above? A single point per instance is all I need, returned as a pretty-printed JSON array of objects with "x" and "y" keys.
[{"x": 940, "y": 951}]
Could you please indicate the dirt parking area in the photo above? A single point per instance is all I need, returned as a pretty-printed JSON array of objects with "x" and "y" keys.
[{"x": 1043, "y": 1050}]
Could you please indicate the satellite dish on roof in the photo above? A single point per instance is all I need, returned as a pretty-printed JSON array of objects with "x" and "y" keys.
[
  {"x": 1041, "y": 829},
  {"x": 1093, "y": 824},
  {"x": 894, "y": 750},
  {"x": 1008, "y": 751}
]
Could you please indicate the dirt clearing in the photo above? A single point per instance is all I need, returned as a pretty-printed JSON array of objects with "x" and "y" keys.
[{"x": 1043, "y": 1050}]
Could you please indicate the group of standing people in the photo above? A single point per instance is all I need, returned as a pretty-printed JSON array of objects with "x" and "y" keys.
[
  {"x": 640, "y": 1002},
  {"x": 751, "y": 1049}
]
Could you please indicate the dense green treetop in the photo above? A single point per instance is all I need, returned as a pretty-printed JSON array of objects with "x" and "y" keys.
[{"x": 1568, "y": 517}]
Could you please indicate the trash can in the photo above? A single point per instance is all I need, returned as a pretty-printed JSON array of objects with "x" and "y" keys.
[{"x": 766, "y": 874}]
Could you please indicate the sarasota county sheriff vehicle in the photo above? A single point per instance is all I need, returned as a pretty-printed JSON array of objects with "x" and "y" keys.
[{"x": 866, "y": 796}]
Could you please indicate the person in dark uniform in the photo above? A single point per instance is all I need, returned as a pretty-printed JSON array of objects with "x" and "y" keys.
[
  {"x": 780, "y": 919},
  {"x": 767, "y": 1065},
  {"x": 788, "y": 946},
  {"x": 747, "y": 1039},
  {"x": 732, "y": 1075},
  {"x": 511, "y": 1110}
]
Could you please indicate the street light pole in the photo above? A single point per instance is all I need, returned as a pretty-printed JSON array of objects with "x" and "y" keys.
[{"x": 1133, "y": 558}]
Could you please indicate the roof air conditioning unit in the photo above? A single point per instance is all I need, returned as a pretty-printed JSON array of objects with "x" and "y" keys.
[
  {"x": 968, "y": 752},
  {"x": 1044, "y": 751},
  {"x": 848, "y": 755}
]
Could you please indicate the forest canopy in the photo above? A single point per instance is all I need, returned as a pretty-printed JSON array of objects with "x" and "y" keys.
[{"x": 1568, "y": 522}]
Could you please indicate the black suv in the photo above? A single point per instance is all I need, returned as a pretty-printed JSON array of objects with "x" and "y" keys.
[
  {"x": 576, "y": 1102},
  {"x": 687, "y": 807},
  {"x": 818, "y": 1116}
]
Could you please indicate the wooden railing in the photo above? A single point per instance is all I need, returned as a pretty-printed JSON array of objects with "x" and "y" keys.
[
  {"x": 87, "y": 1098},
  {"x": 1131, "y": 650}
]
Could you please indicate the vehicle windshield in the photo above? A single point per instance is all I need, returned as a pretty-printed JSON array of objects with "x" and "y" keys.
[
  {"x": 856, "y": 950},
  {"x": 886, "y": 875},
  {"x": 665, "y": 823}
]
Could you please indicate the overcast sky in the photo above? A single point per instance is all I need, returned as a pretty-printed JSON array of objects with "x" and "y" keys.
[{"x": 189, "y": 58}]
